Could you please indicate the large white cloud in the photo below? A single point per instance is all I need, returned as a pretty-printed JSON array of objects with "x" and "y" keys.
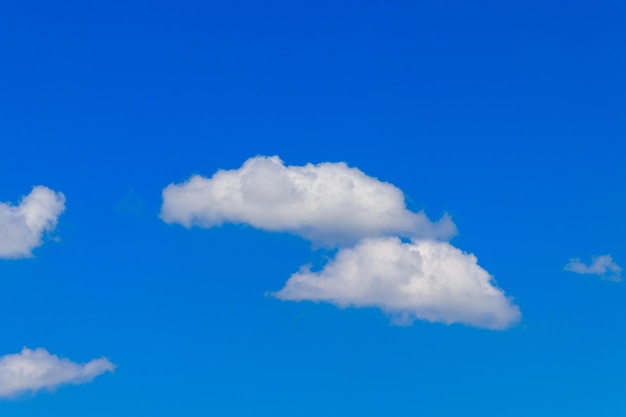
[
  {"x": 339, "y": 206},
  {"x": 329, "y": 203},
  {"x": 425, "y": 279},
  {"x": 603, "y": 266},
  {"x": 22, "y": 226},
  {"x": 34, "y": 370}
]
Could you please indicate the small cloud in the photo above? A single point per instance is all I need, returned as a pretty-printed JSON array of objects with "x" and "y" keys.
[
  {"x": 34, "y": 370},
  {"x": 603, "y": 266},
  {"x": 328, "y": 203},
  {"x": 426, "y": 280},
  {"x": 22, "y": 227}
]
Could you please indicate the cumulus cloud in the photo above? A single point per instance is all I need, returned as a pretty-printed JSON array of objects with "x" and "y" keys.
[
  {"x": 340, "y": 206},
  {"x": 424, "y": 279},
  {"x": 34, "y": 370},
  {"x": 328, "y": 203},
  {"x": 603, "y": 266},
  {"x": 22, "y": 226}
]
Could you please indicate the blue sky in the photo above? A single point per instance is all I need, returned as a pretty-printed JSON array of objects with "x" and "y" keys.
[{"x": 508, "y": 117}]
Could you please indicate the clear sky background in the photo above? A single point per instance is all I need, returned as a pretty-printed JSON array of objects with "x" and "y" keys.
[{"x": 509, "y": 116}]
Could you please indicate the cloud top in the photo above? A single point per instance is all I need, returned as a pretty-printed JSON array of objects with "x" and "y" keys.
[
  {"x": 328, "y": 203},
  {"x": 34, "y": 370},
  {"x": 425, "y": 280},
  {"x": 22, "y": 226},
  {"x": 603, "y": 266}
]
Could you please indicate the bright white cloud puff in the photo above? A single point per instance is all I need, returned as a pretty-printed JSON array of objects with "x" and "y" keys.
[
  {"x": 339, "y": 206},
  {"x": 328, "y": 203},
  {"x": 603, "y": 266},
  {"x": 425, "y": 280},
  {"x": 22, "y": 226},
  {"x": 34, "y": 370}
]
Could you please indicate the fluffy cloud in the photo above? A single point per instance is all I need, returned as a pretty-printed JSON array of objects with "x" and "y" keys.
[
  {"x": 603, "y": 266},
  {"x": 33, "y": 370},
  {"x": 425, "y": 279},
  {"x": 329, "y": 203},
  {"x": 22, "y": 226},
  {"x": 339, "y": 206}
]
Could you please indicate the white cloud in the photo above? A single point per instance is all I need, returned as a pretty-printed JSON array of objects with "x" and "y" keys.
[
  {"x": 22, "y": 226},
  {"x": 328, "y": 203},
  {"x": 34, "y": 370},
  {"x": 604, "y": 266},
  {"x": 336, "y": 205},
  {"x": 425, "y": 280}
]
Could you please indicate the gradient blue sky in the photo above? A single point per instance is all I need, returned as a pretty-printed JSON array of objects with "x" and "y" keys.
[{"x": 510, "y": 116}]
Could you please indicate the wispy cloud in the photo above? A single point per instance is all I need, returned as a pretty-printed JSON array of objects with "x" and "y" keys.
[
  {"x": 328, "y": 203},
  {"x": 22, "y": 226},
  {"x": 34, "y": 370},
  {"x": 426, "y": 280},
  {"x": 603, "y": 266}
]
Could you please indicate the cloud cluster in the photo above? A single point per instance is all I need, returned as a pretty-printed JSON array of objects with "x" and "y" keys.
[
  {"x": 427, "y": 280},
  {"x": 22, "y": 226},
  {"x": 34, "y": 370},
  {"x": 603, "y": 266},
  {"x": 328, "y": 203},
  {"x": 339, "y": 206}
]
